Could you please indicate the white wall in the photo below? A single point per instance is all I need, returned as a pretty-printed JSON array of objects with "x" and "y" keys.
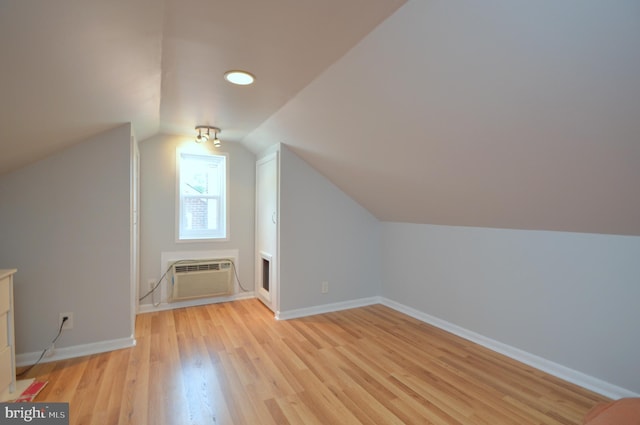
[
  {"x": 324, "y": 236},
  {"x": 158, "y": 206},
  {"x": 571, "y": 298},
  {"x": 65, "y": 226}
]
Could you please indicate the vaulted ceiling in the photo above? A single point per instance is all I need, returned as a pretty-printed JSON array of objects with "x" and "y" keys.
[
  {"x": 72, "y": 68},
  {"x": 476, "y": 113}
]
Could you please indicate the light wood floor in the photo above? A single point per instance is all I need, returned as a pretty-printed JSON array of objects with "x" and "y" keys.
[{"x": 232, "y": 363}]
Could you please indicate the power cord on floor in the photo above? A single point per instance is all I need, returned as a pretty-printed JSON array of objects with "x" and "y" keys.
[
  {"x": 152, "y": 290},
  {"x": 24, "y": 372}
]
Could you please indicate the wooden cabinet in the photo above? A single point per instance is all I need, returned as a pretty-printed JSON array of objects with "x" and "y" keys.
[{"x": 7, "y": 344}]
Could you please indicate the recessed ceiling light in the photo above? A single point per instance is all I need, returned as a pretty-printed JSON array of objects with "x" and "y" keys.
[{"x": 242, "y": 78}]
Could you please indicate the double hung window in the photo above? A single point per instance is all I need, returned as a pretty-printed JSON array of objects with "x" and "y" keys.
[{"x": 202, "y": 193}]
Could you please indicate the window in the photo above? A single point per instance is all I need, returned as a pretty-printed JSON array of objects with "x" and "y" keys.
[{"x": 202, "y": 193}]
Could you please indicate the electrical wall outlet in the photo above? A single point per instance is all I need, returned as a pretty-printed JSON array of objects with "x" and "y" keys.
[
  {"x": 324, "y": 288},
  {"x": 68, "y": 324}
]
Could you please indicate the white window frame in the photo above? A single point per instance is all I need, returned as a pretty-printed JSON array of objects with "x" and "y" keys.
[{"x": 182, "y": 235}]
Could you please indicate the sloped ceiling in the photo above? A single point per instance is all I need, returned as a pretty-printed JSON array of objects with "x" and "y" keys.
[
  {"x": 482, "y": 113},
  {"x": 285, "y": 43},
  {"x": 72, "y": 68},
  {"x": 477, "y": 113}
]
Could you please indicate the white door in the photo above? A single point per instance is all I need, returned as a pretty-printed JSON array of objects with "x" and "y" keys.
[{"x": 267, "y": 230}]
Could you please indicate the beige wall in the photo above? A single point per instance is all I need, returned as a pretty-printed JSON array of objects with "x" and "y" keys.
[
  {"x": 158, "y": 206},
  {"x": 65, "y": 225}
]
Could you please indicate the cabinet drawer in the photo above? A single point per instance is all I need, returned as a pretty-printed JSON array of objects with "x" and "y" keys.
[
  {"x": 5, "y": 300},
  {"x": 6, "y": 369},
  {"x": 4, "y": 331}
]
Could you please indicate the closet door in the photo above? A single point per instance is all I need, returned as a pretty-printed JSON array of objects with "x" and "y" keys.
[{"x": 267, "y": 230}]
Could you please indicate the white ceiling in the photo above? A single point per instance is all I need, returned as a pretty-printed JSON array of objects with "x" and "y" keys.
[
  {"x": 72, "y": 68},
  {"x": 477, "y": 113}
]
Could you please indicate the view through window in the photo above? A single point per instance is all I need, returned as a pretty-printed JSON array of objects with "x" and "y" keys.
[{"x": 202, "y": 188}]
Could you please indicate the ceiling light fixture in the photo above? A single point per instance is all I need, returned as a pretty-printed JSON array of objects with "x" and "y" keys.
[
  {"x": 241, "y": 78},
  {"x": 203, "y": 136},
  {"x": 216, "y": 142}
]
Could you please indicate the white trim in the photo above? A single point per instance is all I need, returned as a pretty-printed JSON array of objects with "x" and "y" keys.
[
  {"x": 227, "y": 203},
  {"x": 273, "y": 301},
  {"x": 267, "y": 158},
  {"x": 134, "y": 223},
  {"x": 263, "y": 294},
  {"x": 555, "y": 369},
  {"x": 64, "y": 353},
  {"x": 150, "y": 308},
  {"x": 326, "y": 308}
]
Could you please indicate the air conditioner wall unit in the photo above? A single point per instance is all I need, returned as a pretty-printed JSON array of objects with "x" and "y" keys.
[{"x": 200, "y": 279}]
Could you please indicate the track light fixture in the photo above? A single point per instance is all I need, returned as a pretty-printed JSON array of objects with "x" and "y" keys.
[{"x": 204, "y": 133}]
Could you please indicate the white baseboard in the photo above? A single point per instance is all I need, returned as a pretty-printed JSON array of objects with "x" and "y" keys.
[
  {"x": 148, "y": 308},
  {"x": 64, "y": 353},
  {"x": 586, "y": 381},
  {"x": 326, "y": 308}
]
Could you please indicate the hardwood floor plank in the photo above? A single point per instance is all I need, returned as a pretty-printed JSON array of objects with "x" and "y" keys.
[
  {"x": 376, "y": 409},
  {"x": 232, "y": 363},
  {"x": 235, "y": 392},
  {"x": 324, "y": 405},
  {"x": 276, "y": 412},
  {"x": 135, "y": 391},
  {"x": 297, "y": 412},
  {"x": 111, "y": 389}
]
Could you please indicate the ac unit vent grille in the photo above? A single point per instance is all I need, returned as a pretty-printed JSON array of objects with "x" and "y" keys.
[
  {"x": 199, "y": 280},
  {"x": 186, "y": 268}
]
